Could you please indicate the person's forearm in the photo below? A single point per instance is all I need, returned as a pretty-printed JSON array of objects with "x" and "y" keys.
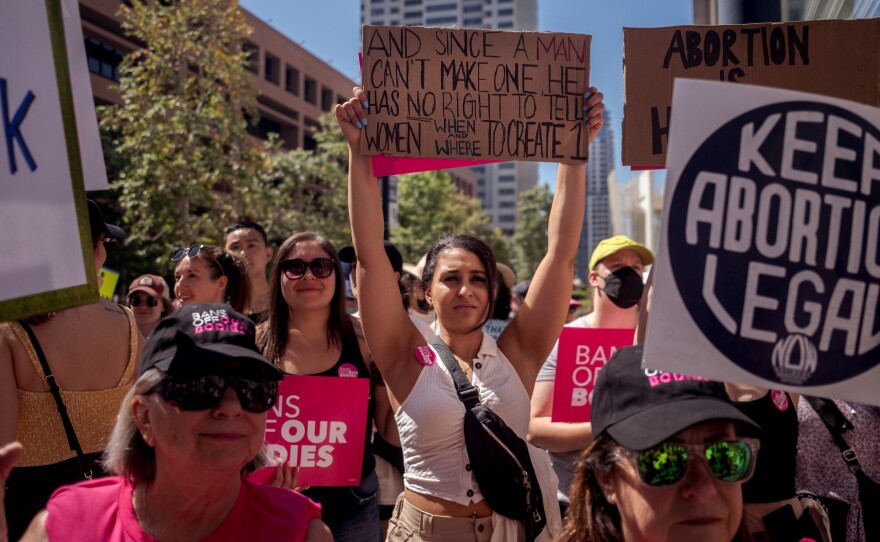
[
  {"x": 567, "y": 211},
  {"x": 559, "y": 436},
  {"x": 364, "y": 204}
]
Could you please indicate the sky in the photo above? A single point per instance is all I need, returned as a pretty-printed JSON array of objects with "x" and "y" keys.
[{"x": 330, "y": 29}]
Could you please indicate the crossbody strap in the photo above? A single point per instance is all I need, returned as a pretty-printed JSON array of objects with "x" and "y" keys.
[
  {"x": 467, "y": 393},
  {"x": 837, "y": 425},
  {"x": 72, "y": 441}
]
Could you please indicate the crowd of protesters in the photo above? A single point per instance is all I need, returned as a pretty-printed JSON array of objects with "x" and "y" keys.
[{"x": 164, "y": 423}]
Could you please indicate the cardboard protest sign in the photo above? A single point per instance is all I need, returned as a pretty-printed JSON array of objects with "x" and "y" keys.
[
  {"x": 835, "y": 58},
  {"x": 40, "y": 170},
  {"x": 319, "y": 425},
  {"x": 475, "y": 94},
  {"x": 581, "y": 355},
  {"x": 769, "y": 265}
]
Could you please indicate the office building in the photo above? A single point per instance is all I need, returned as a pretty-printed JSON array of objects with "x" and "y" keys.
[
  {"x": 759, "y": 11},
  {"x": 498, "y": 185},
  {"x": 637, "y": 208},
  {"x": 597, "y": 214}
]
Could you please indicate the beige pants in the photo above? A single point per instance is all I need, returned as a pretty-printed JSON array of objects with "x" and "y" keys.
[{"x": 409, "y": 524}]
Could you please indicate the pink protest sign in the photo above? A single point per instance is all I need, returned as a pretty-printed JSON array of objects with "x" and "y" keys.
[
  {"x": 398, "y": 165},
  {"x": 582, "y": 354},
  {"x": 319, "y": 424}
]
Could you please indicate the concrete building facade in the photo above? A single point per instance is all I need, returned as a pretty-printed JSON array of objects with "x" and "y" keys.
[
  {"x": 597, "y": 214},
  {"x": 497, "y": 185}
]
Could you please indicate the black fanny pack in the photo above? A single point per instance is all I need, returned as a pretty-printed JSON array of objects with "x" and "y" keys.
[{"x": 499, "y": 458}]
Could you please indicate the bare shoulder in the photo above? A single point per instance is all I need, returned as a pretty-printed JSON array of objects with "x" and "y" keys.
[{"x": 36, "y": 531}]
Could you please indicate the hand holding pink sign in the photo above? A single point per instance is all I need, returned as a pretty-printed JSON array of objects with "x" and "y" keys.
[
  {"x": 319, "y": 425},
  {"x": 582, "y": 354}
]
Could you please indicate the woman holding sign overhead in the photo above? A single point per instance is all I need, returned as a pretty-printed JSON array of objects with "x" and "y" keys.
[
  {"x": 308, "y": 332},
  {"x": 442, "y": 500}
]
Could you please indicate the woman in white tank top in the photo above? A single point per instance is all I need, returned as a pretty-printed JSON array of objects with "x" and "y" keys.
[{"x": 442, "y": 500}]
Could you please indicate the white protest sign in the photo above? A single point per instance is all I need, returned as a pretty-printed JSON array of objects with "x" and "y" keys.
[
  {"x": 44, "y": 233},
  {"x": 769, "y": 267}
]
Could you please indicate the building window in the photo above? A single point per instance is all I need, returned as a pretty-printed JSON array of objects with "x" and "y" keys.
[
  {"x": 507, "y": 218},
  {"x": 433, "y": 8},
  {"x": 506, "y": 165},
  {"x": 413, "y": 14},
  {"x": 394, "y": 22},
  {"x": 327, "y": 99},
  {"x": 378, "y": 22},
  {"x": 507, "y": 192},
  {"x": 311, "y": 91},
  {"x": 309, "y": 141},
  {"x": 253, "y": 56},
  {"x": 507, "y": 24},
  {"x": 263, "y": 128},
  {"x": 291, "y": 80},
  {"x": 504, "y": 12},
  {"x": 506, "y": 178},
  {"x": 377, "y": 11},
  {"x": 395, "y": 10},
  {"x": 472, "y": 21},
  {"x": 507, "y": 205},
  {"x": 103, "y": 59},
  {"x": 272, "y": 69},
  {"x": 450, "y": 19},
  {"x": 412, "y": 2},
  {"x": 473, "y": 8}
]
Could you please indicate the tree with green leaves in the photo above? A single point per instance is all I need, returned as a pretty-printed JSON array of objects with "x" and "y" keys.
[
  {"x": 186, "y": 164},
  {"x": 530, "y": 235},
  {"x": 428, "y": 207}
]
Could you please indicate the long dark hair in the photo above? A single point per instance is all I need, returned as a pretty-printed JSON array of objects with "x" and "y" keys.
[
  {"x": 272, "y": 335},
  {"x": 473, "y": 245},
  {"x": 222, "y": 263},
  {"x": 590, "y": 517}
]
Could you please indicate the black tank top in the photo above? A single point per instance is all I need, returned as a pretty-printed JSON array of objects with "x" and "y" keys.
[{"x": 774, "y": 474}]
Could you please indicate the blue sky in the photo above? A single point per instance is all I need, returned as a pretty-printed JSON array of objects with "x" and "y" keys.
[{"x": 330, "y": 29}]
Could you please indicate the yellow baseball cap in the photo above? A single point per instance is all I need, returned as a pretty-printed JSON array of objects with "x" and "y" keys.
[{"x": 613, "y": 245}]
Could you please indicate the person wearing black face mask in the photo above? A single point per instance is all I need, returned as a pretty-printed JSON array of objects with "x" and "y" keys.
[{"x": 615, "y": 278}]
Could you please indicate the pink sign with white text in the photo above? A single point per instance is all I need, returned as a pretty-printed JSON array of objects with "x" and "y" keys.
[
  {"x": 319, "y": 425},
  {"x": 582, "y": 354}
]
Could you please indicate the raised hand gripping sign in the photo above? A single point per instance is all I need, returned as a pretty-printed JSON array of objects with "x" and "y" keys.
[
  {"x": 769, "y": 269},
  {"x": 581, "y": 355},
  {"x": 319, "y": 425}
]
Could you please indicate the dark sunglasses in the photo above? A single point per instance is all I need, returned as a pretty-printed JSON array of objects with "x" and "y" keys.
[
  {"x": 296, "y": 269},
  {"x": 729, "y": 461},
  {"x": 204, "y": 392},
  {"x": 136, "y": 300},
  {"x": 189, "y": 252},
  {"x": 110, "y": 243}
]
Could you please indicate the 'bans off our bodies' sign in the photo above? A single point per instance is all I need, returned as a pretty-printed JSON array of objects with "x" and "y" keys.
[
  {"x": 770, "y": 260},
  {"x": 475, "y": 94},
  {"x": 319, "y": 424},
  {"x": 581, "y": 355}
]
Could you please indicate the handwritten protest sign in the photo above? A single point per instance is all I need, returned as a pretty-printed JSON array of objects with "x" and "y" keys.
[
  {"x": 835, "y": 58},
  {"x": 582, "y": 354},
  {"x": 319, "y": 425},
  {"x": 769, "y": 269},
  {"x": 475, "y": 94},
  {"x": 40, "y": 171}
]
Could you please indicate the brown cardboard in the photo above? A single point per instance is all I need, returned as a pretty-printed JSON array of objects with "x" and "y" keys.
[
  {"x": 475, "y": 94},
  {"x": 835, "y": 58}
]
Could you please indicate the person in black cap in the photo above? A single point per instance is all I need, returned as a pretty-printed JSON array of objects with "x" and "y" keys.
[
  {"x": 668, "y": 461},
  {"x": 92, "y": 351},
  {"x": 186, "y": 435}
]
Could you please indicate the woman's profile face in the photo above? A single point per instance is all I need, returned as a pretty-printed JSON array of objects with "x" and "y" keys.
[
  {"x": 308, "y": 292},
  {"x": 459, "y": 290},
  {"x": 698, "y": 508},
  {"x": 193, "y": 283}
]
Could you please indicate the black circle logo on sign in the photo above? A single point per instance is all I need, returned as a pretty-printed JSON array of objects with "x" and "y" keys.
[{"x": 774, "y": 242}]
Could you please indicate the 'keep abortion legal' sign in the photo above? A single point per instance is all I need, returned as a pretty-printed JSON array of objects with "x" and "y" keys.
[
  {"x": 475, "y": 94},
  {"x": 769, "y": 271},
  {"x": 319, "y": 425}
]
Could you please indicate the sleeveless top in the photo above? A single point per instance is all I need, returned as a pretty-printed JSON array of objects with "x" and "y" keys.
[
  {"x": 351, "y": 364},
  {"x": 102, "y": 510},
  {"x": 775, "y": 471},
  {"x": 431, "y": 426},
  {"x": 92, "y": 413}
]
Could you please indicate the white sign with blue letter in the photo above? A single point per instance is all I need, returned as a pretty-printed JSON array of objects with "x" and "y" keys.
[
  {"x": 769, "y": 267},
  {"x": 47, "y": 264}
]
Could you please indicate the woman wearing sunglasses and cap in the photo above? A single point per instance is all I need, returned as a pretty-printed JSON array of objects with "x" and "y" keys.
[
  {"x": 668, "y": 462},
  {"x": 309, "y": 332},
  {"x": 209, "y": 274},
  {"x": 186, "y": 436},
  {"x": 149, "y": 301}
]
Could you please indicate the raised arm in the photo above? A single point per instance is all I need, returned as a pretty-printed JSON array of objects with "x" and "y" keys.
[
  {"x": 528, "y": 339},
  {"x": 391, "y": 336}
]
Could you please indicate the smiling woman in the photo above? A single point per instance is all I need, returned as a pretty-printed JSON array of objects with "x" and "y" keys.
[{"x": 209, "y": 274}]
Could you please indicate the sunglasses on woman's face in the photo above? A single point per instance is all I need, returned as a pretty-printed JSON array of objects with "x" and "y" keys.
[
  {"x": 136, "y": 300},
  {"x": 664, "y": 465},
  {"x": 204, "y": 392},
  {"x": 296, "y": 269},
  {"x": 189, "y": 252}
]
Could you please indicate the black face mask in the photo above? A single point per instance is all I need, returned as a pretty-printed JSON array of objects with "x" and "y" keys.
[{"x": 624, "y": 287}]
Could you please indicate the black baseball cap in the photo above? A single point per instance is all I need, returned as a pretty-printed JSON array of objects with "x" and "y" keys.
[
  {"x": 640, "y": 408},
  {"x": 205, "y": 338},
  {"x": 347, "y": 255},
  {"x": 98, "y": 226}
]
